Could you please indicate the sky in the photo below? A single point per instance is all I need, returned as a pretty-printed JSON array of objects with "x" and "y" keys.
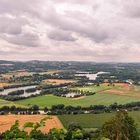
[{"x": 70, "y": 30}]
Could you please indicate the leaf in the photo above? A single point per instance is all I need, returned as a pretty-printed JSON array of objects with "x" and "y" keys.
[
  {"x": 28, "y": 124},
  {"x": 20, "y": 139}
]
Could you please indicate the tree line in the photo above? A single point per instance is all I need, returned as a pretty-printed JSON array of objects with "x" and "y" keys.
[{"x": 61, "y": 109}]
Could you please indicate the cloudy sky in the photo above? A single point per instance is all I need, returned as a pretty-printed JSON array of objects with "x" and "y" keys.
[{"x": 81, "y": 30}]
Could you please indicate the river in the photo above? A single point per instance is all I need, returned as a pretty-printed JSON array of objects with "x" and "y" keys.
[
  {"x": 91, "y": 76},
  {"x": 6, "y": 91}
]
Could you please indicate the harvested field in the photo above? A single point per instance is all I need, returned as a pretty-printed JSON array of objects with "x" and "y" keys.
[
  {"x": 6, "y": 121},
  {"x": 58, "y": 81},
  {"x": 5, "y": 84}
]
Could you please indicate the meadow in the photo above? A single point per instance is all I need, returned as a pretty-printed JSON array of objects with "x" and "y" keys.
[
  {"x": 97, "y": 99},
  {"x": 8, "y": 103},
  {"x": 94, "y": 120},
  {"x": 122, "y": 89},
  {"x": 102, "y": 87}
]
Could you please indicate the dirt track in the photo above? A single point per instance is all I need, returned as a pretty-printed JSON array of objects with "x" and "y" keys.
[{"x": 6, "y": 121}]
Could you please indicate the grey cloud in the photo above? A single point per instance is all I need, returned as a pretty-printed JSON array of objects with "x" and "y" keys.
[
  {"x": 131, "y": 8},
  {"x": 91, "y": 29},
  {"x": 73, "y": 1},
  {"x": 61, "y": 35},
  {"x": 24, "y": 39},
  {"x": 127, "y": 8},
  {"x": 17, "y": 7},
  {"x": 11, "y": 25},
  {"x": 95, "y": 33}
]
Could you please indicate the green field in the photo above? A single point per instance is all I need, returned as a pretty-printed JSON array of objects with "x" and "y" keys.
[
  {"x": 93, "y": 120},
  {"x": 103, "y": 87},
  {"x": 97, "y": 99},
  {"x": 8, "y": 103},
  {"x": 98, "y": 88}
]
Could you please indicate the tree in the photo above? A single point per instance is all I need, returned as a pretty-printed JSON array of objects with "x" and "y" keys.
[
  {"x": 35, "y": 108},
  {"x": 74, "y": 131},
  {"x": 57, "y": 134},
  {"x": 74, "y": 126},
  {"x": 120, "y": 127},
  {"x": 18, "y": 133},
  {"x": 45, "y": 109}
]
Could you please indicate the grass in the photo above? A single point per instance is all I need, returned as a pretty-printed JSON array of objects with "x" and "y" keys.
[
  {"x": 97, "y": 99},
  {"x": 119, "y": 89},
  {"x": 95, "y": 88},
  {"x": 138, "y": 87},
  {"x": 93, "y": 120},
  {"x": 17, "y": 74},
  {"x": 8, "y": 103},
  {"x": 100, "y": 88},
  {"x": 4, "y": 102}
]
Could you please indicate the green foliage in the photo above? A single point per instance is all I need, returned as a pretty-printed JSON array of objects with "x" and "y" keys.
[
  {"x": 57, "y": 134},
  {"x": 120, "y": 127},
  {"x": 77, "y": 134},
  {"x": 74, "y": 126},
  {"x": 104, "y": 138},
  {"x": 17, "y": 133}
]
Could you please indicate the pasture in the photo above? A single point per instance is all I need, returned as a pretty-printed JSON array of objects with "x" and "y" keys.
[
  {"x": 97, "y": 99},
  {"x": 16, "y": 74},
  {"x": 8, "y": 103},
  {"x": 94, "y": 120},
  {"x": 121, "y": 89}
]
